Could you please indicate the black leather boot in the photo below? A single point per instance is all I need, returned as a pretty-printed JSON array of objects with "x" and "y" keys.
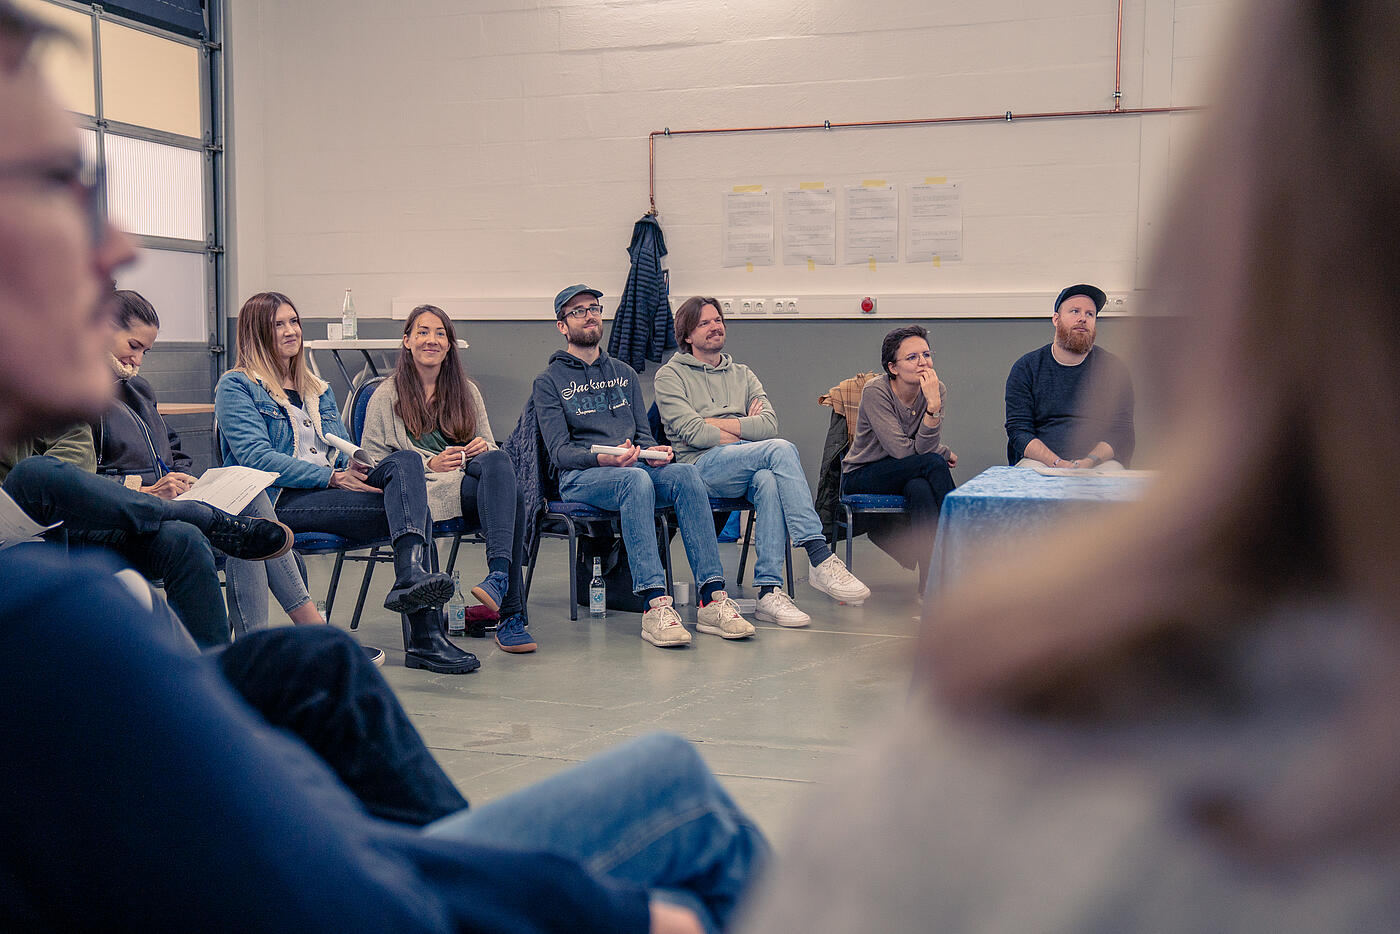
[
  {"x": 425, "y": 644},
  {"x": 415, "y": 587}
]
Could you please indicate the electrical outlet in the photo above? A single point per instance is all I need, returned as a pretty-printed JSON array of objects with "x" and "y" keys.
[
  {"x": 760, "y": 306},
  {"x": 752, "y": 306},
  {"x": 726, "y": 306},
  {"x": 784, "y": 306}
]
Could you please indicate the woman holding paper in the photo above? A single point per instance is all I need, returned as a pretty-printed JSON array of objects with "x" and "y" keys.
[
  {"x": 431, "y": 408},
  {"x": 275, "y": 414}
]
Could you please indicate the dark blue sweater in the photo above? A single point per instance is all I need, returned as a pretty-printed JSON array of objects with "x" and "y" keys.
[
  {"x": 141, "y": 793},
  {"x": 582, "y": 404},
  {"x": 1069, "y": 408}
]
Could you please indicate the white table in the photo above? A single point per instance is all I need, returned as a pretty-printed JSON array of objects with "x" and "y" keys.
[{"x": 363, "y": 346}]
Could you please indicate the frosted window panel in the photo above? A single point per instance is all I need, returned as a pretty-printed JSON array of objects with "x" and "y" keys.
[
  {"x": 149, "y": 81},
  {"x": 154, "y": 189},
  {"x": 67, "y": 66},
  {"x": 174, "y": 283}
]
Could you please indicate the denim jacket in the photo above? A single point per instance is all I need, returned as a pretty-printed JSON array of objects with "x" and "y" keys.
[{"x": 255, "y": 430}]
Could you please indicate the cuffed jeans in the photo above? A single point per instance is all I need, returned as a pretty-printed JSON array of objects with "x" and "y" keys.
[
  {"x": 249, "y": 581},
  {"x": 769, "y": 474},
  {"x": 135, "y": 525},
  {"x": 317, "y": 683},
  {"x": 401, "y": 509},
  {"x": 648, "y": 812},
  {"x": 634, "y": 492},
  {"x": 489, "y": 492}
]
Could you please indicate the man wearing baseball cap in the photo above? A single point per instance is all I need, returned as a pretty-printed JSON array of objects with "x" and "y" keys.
[
  {"x": 586, "y": 398},
  {"x": 1070, "y": 404}
]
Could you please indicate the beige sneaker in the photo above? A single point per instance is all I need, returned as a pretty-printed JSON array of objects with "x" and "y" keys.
[
  {"x": 832, "y": 578},
  {"x": 662, "y": 625},
  {"x": 720, "y": 617},
  {"x": 777, "y": 607}
]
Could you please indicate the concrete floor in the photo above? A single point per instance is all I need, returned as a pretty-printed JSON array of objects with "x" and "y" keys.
[{"x": 771, "y": 715}]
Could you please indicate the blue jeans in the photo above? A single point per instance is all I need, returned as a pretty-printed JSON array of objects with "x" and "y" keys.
[
  {"x": 634, "y": 492},
  {"x": 648, "y": 812},
  {"x": 769, "y": 474},
  {"x": 400, "y": 510},
  {"x": 249, "y": 581}
]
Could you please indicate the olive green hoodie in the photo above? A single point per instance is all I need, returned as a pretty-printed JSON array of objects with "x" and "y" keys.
[{"x": 689, "y": 391}]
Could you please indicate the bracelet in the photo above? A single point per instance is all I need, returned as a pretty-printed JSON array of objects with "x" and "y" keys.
[
  {"x": 1055, "y": 463},
  {"x": 932, "y": 414},
  {"x": 1093, "y": 459}
]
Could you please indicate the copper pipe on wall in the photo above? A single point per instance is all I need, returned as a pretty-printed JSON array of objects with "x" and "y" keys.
[{"x": 1008, "y": 117}]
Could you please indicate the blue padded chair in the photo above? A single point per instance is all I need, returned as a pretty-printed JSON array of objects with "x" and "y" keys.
[
  {"x": 854, "y": 504},
  {"x": 725, "y": 504}
]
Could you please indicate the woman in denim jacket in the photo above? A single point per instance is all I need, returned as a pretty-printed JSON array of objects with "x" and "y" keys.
[{"x": 274, "y": 414}]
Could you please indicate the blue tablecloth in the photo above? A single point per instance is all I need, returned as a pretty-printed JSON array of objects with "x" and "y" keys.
[{"x": 1003, "y": 505}]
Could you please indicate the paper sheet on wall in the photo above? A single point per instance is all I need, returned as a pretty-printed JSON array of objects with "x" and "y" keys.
[
  {"x": 15, "y": 526},
  {"x": 872, "y": 224},
  {"x": 809, "y": 226},
  {"x": 748, "y": 228},
  {"x": 934, "y": 222},
  {"x": 229, "y": 488}
]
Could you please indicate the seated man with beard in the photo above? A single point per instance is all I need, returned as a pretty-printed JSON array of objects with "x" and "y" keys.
[{"x": 1070, "y": 404}]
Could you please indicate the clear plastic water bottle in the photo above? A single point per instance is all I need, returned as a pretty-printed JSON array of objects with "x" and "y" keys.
[
  {"x": 457, "y": 608},
  {"x": 348, "y": 327},
  {"x": 597, "y": 592}
]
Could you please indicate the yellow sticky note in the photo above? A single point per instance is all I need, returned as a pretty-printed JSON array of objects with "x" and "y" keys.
[
  {"x": 872, "y": 264},
  {"x": 749, "y": 267},
  {"x": 873, "y": 183},
  {"x": 740, "y": 189},
  {"x": 936, "y": 180},
  {"x": 937, "y": 261},
  {"x": 811, "y": 265},
  {"x": 812, "y": 186}
]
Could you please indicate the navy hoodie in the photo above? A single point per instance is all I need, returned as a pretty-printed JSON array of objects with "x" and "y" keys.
[{"x": 582, "y": 404}]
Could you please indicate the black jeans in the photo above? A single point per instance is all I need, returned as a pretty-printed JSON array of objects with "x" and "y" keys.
[
  {"x": 489, "y": 492},
  {"x": 101, "y": 512},
  {"x": 400, "y": 510},
  {"x": 922, "y": 479},
  {"x": 317, "y": 682}
]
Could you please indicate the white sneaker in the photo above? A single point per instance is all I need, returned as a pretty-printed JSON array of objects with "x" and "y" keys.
[
  {"x": 833, "y": 579},
  {"x": 720, "y": 617},
  {"x": 662, "y": 625},
  {"x": 777, "y": 607}
]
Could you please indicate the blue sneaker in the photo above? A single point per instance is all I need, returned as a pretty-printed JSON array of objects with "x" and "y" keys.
[
  {"x": 492, "y": 591},
  {"x": 512, "y": 636}
]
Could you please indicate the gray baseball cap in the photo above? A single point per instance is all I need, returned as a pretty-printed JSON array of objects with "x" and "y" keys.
[{"x": 567, "y": 295}]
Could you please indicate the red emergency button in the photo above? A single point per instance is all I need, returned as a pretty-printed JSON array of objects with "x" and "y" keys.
[{"x": 867, "y": 304}]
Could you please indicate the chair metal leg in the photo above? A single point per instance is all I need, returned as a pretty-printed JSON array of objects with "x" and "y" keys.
[
  {"x": 573, "y": 578},
  {"x": 335, "y": 582},
  {"x": 787, "y": 550},
  {"x": 744, "y": 553},
  {"x": 533, "y": 551},
  {"x": 370, "y": 562},
  {"x": 666, "y": 551},
  {"x": 452, "y": 555},
  {"x": 850, "y": 533}
]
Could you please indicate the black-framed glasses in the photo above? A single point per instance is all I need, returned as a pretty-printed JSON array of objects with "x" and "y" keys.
[
  {"x": 916, "y": 357},
  {"x": 86, "y": 179},
  {"x": 584, "y": 311}
]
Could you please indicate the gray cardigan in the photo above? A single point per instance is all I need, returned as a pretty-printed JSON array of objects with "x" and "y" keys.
[
  {"x": 886, "y": 427},
  {"x": 385, "y": 433}
]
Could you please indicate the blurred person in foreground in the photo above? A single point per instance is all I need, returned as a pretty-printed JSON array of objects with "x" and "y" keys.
[
  {"x": 1182, "y": 717},
  {"x": 204, "y": 815}
]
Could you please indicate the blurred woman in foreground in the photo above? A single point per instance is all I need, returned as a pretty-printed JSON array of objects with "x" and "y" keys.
[{"x": 1182, "y": 718}]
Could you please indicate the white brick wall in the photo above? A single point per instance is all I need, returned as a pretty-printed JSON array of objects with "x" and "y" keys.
[{"x": 497, "y": 148}]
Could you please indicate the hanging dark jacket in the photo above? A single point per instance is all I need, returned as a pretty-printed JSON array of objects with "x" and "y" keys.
[{"x": 642, "y": 329}]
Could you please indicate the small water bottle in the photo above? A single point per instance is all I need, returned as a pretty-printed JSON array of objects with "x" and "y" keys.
[
  {"x": 348, "y": 328},
  {"x": 597, "y": 592},
  {"x": 457, "y": 608}
]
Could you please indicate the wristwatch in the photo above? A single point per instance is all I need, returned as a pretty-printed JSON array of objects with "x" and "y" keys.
[{"x": 1094, "y": 459}]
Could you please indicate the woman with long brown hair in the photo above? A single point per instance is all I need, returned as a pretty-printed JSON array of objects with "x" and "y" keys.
[
  {"x": 430, "y": 407},
  {"x": 275, "y": 414},
  {"x": 1182, "y": 716}
]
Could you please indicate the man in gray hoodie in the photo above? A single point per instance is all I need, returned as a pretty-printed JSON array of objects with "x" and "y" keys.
[
  {"x": 719, "y": 419},
  {"x": 586, "y": 399}
]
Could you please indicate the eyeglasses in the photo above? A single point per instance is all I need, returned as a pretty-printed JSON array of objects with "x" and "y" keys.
[
  {"x": 916, "y": 357},
  {"x": 584, "y": 312},
  {"x": 87, "y": 180}
]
